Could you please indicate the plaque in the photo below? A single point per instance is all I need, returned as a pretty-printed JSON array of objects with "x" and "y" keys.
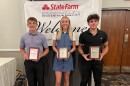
[
  {"x": 63, "y": 53},
  {"x": 94, "y": 52},
  {"x": 33, "y": 53}
]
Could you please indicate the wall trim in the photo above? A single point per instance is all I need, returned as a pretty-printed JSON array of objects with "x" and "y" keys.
[
  {"x": 116, "y": 8},
  {"x": 9, "y": 50}
]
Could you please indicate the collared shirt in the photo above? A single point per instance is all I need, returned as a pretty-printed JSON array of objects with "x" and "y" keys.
[
  {"x": 88, "y": 39},
  {"x": 35, "y": 40}
]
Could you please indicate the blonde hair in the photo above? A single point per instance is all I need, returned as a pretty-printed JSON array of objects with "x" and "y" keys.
[{"x": 69, "y": 30}]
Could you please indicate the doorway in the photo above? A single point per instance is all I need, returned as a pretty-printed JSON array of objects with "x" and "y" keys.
[{"x": 116, "y": 23}]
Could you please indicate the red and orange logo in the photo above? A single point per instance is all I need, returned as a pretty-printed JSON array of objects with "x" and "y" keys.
[
  {"x": 60, "y": 7},
  {"x": 45, "y": 7}
]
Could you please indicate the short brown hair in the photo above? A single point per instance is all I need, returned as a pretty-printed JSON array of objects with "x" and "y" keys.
[
  {"x": 93, "y": 16},
  {"x": 32, "y": 19}
]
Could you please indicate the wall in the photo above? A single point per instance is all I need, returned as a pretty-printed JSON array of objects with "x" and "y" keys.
[
  {"x": 11, "y": 24},
  {"x": 115, "y": 3},
  {"x": 11, "y": 28}
]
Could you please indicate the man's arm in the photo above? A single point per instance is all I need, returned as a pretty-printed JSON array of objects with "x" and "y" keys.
[
  {"x": 82, "y": 53},
  {"x": 44, "y": 53},
  {"x": 80, "y": 48},
  {"x": 25, "y": 55},
  {"x": 105, "y": 50}
]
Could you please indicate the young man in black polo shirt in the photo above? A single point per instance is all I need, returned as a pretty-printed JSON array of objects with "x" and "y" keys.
[{"x": 92, "y": 37}]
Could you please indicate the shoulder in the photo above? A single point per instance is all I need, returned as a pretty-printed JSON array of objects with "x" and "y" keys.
[
  {"x": 25, "y": 35},
  {"x": 41, "y": 35},
  {"x": 83, "y": 33},
  {"x": 102, "y": 32}
]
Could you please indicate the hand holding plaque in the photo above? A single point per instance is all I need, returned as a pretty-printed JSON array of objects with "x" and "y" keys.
[
  {"x": 33, "y": 54},
  {"x": 94, "y": 52},
  {"x": 63, "y": 53}
]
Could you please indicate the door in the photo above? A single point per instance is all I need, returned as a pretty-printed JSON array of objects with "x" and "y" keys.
[
  {"x": 115, "y": 24},
  {"x": 125, "y": 64}
]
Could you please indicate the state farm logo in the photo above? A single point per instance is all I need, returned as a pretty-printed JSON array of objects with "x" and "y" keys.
[
  {"x": 45, "y": 7},
  {"x": 60, "y": 7}
]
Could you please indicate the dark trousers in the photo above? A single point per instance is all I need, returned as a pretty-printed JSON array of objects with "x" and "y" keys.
[
  {"x": 88, "y": 67},
  {"x": 35, "y": 72}
]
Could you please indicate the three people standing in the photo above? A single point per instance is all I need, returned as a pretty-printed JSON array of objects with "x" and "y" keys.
[{"x": 65, "y": 38}]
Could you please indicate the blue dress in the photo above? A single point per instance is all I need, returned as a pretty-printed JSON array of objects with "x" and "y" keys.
[{"x": 63, "y": 65}]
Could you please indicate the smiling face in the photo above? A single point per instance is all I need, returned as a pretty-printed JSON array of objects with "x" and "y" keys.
[
  {"x": 93, "y": 20},
  {"x": 93, "y": 23},
  {"x": 64, "y": 22},
  {"x": 32, "y": 25}
]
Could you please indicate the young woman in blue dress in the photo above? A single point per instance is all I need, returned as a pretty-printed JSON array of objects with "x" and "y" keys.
[{"x": 63, "y": 39}]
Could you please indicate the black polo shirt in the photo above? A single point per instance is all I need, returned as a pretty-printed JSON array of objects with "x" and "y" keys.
[{"x": 88, "y": 39}]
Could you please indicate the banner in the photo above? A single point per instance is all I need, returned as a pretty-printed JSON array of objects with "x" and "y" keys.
[{"x": 48, "y": 14}]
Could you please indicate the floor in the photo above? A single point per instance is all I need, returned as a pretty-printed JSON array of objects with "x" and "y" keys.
[
  {"x": 116, "y": 80},
  {"x": 107, "y": 80}
]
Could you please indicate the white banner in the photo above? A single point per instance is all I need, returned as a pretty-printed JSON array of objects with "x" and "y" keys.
[{"x": 48, "y": 13}]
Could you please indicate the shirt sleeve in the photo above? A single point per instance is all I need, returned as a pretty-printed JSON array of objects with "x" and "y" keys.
[
  {"x": 54, "y": 36},
  {"x": 22, "y": 43},
  {"x": 74, "y": 36},
  {"x": 45, "y": 45},
  {"x": 81, "y": 38},
  {"x": 105, "y": 38}
]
